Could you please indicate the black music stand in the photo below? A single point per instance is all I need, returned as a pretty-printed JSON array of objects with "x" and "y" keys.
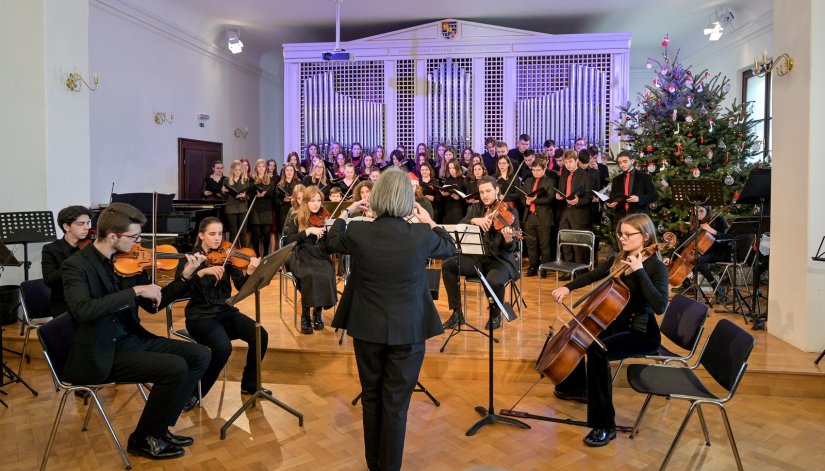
[
  {"x": 27, "y": 228},
  {"x": 819, "y": 257},
  {"x": 488, "y": 414},
  {"x": 467, "y": 242},
  {"x": 739, "y": 228},
  {"x": 757, "y": 190},
  {"x": 697, "y": 193},
  {"x": 258, "y": 280}
]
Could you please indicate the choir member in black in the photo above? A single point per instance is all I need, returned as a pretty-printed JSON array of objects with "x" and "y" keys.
[
  {"x": 420, "y": 159},
  {"x": 447, "y": 156},
  {"x": 489, "y": 156},
  {"x": 558, "y": 158},
  {"x": 477, "y": 172},
  {"x": 75, "y": 222},
  {"x": 367, "y": 166},
  {"x": 334, "y": 150},
  {"x": 498, "y": 266},
  {"x": 380, "y": 158},
  {"x": 272, "y": 170},
  {"x": 110, "y": 345},
  {"x": 581, "y": 144},
  {"x": 439, "y": 161},
  {"x": 430, "y": 192},
  {"x": 212, "y": 322},
  {"x": 213, "y": 184},
  {"x": 538, "y": 215},
  {"x": 720, "y": 251},
  {"x": 355, "y": 154},
  {"x": 526, "y": 169},
  {"x": 374, "y": 174},
  {"x": 300, "y": 168},
  {"x": 505, "y": 173},
  {"x": 338, "y": 167},
  {"x": 635, "y": 331},
  {"x": 237, "y": 201},
  {"x": 576, "y": 185},
  {"x": 310, "y": 154},
  {"x": 310, "y": 262},
  {"x": 247, "y": 167},
  {"x": 635, "y": 185},
  {"x": 284, "y": 192},
  {"x": 399, "y": 160},
  {"x": 517, "y": 155},
  {"x": 453, "y": 207},
  {"x": 387, "y": 308},
  {"x": 424, "y": 202},
  {"x": 550, "y": 151},
  {"x": 348, "y": 181},
  {"x": 466, "y": 158},
  {"x": 596, "y": 164},
  {"x": 318, "y": 177},
  {"x": 422, "y": 148},
  {"x": 260, "y": 218}
]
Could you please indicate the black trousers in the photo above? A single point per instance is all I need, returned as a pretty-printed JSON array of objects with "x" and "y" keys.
[
  {"x": 706, "y": 261},
  {"x": 495, "y": 272},
  {"x": 172, "y": 366},
  {"x": 538, "y": 242},
  {"x": 593, "y": 373},
  {"x": 388, "y": 375},
  {"x": 217, "y": 333}
]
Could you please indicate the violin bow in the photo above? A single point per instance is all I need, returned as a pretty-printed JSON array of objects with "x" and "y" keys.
[
  {"x": 344, "y": 197},
  {"x": 240, "y": 231},
  {"x": 589, "y": 334},
  {"x": 154, "y": 235}
]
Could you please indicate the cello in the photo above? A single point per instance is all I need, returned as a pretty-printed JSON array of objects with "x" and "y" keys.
[
  {"x": 682, "y": 261},
  {"x": 600, "y": 306}
]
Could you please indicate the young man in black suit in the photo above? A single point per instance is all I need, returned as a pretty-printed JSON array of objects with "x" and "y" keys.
[
  {"x": 489, "y": 156},
  {"x": 498, "y": 266},
  {"x": 635, "y": 185},
  {"x": 387, "y": 307},
  {"x": 517, "y": 154},
  {"x": 75, "y": 222},
  {"x": 576, "y": 185},
  {"x": 110, "y": 345},
  {"x": 538, "y": 215}
]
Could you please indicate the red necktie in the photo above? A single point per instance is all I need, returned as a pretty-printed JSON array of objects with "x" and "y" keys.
[
  {"x": 533, "y": 204},
  {"x": 627, "y": 189},
  {"x": 569, "y": 183}
]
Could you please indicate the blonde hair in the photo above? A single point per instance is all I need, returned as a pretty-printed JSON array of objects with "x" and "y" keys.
[
  {"x": 302, "y": 216},
  {"x": 236, "y": 164},
  {"x": 254, "y": 171},
  {"x": 296, "y": 202},
  {"x": 640, "y": 222}
]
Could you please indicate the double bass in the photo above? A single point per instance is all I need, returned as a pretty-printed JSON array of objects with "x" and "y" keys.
[{"x": 564, "y": 350}]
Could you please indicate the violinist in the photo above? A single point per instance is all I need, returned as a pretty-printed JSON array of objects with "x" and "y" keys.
[
  {"x": 75, "y": 222},
  {"x": 212, "y": 322},
  {"x": 213, "y": 184},
  {"x": 498, "y": 266},
  {"x": 260, "y": 218},
  {"x": 453, "y": 207},
  {"x": 237, "y": 202},
  {"x": 634, "y": 332},
  {"x": 538, "y": 214},
  {"x": 576, "y": 185},
  {"x": 635, "y": 185},
  {"x": 720, "y": 251},
  {"x": 110, "y": 345},
  {"x": 310, "y": 262}
]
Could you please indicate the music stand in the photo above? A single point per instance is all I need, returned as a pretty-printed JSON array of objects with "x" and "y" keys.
[
  {"x": 467, "y": 238},
  {"x": 258, "y": 280},
  {"x": 488, "y": 414},
  {"x": 740, "y": 227},
  {"x": 697, "y": 193},
  {"x": 757, "y": 190},
  {"x": 819, "y": 257},
  {"x": 26, "y": 228}
]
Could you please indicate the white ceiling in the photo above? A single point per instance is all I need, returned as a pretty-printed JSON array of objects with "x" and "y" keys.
[{"x": 267, "y": 24}]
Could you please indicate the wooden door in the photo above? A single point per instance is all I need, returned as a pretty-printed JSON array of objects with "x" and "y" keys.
[{"x": 195, "y": 160}]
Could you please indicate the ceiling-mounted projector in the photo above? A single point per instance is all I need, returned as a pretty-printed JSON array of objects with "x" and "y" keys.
[{"x": 338, "y": 55}]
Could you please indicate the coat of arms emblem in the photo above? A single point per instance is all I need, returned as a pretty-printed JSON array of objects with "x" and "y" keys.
[{"x": 449, "y": 29}]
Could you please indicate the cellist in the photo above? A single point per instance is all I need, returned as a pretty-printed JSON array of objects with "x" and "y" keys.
[
  {"x": 719, "y": 252},
  {"x": 635, "y": 330}
]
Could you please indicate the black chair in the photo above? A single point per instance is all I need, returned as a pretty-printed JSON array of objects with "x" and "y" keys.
[
  {"x": 682, "y": 323},
  {"x": 34, "y": 301},
  {"x": 515, "y": 284},
  {"x": 724, "y": 357},
  {"x": 56, "y": 338}
]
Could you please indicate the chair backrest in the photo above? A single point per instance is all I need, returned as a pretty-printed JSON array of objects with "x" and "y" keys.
[
  {"x": 684, "y": 321},
  {"x": 34, "y": 298},
  {"x": 56, "y": 338},
  {"x": 726, "y": 352},
  {"x": 170, "y": 324},
  {"x": 575, "y": 238}
]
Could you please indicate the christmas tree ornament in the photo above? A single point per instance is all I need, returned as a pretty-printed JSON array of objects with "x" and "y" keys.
[
  {"x": 688, "y": 160},
  {"x": 690, "y": 134},
  {"x": 640, "y": 130},
  {"x": 709, "y": 153},
  {"x": 649, "y": 149},
  {"x": 653, "y": 205},
  {"x": 703, "y": 111},
  {"x": 649, "y": 64},
  {"x": 727, "y": 158},
  {"x": 699, "y": 87},
  {"x": 726, "y": 87},
  {"x": 651, "y": 167},
  {"x": 710, "y": 125},
  {"x": 671, "y": 88},
  {"x": 689, "y": 118},
  {"x": 689, "y": 101},
  {"x": 664, "y": 184},
  {"x": 656, "y": 81},
  {"x": 661, "y": 228},
  {"x": 702, "y": 139},
  {"x": 695, "y": 172},
  {"x": 666, "y": 40},
  {"x": 673, "y": 115},
  {"x": 664, "y": 71},
  {"x": 737, "y": 169},
  {"x": 721, "y": 146},
  {"x": 729, "y": 180},
  {"x": 678, "y": 150},
  {"x": 676, "y": 132}
]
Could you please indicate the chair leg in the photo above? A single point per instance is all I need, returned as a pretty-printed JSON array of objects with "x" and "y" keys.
[
  {"x": 88, "y": 415},
  {"x": 730, "y": 435},
  {"x": 635, "y": 430},
  {"x": 616, "y": 373},
  {"x": 143, "y": 392},
  {"x": 26, "y": 330},
  {"x": 704, "y": 425},
  {"x": 677, "y": 437},
  {"x": 464, "y": 298},
  {"x": 112, "y": 433},
  {"x": 54, "y": 429},
  {"x": 200, "y": 395}
]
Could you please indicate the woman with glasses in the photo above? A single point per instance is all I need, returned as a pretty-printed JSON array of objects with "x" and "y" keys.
[{"x": 634, "y": 332}]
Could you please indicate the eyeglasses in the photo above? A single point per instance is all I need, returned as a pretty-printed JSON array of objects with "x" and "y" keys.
[
  {"x": 620, "y": 235},
  {"x": 134, "y": 237}
]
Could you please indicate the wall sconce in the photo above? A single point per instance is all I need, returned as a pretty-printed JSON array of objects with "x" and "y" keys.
[
  {"x": 75, "y": 81},
  {"x": 162, "y": 117},
  {"x": 241, "y": 132},
  {"x": 233, "y": 39},
  {"x": 783, "y": 65}
]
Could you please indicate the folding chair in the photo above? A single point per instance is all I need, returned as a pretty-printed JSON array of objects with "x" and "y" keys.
[
  {"x": 570, "y": 238},
  {"x": 34, "y": 301},
  {"x": 724, "y": 357},
  {"x": 515, "y": 285}
]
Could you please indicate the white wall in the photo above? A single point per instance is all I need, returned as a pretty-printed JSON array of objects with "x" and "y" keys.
[
  {"x": 146, "y": 66},
  {"x": 272, "y": 107}
]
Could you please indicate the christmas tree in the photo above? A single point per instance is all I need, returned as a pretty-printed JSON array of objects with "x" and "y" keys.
[{"x": 678, "y": 131}]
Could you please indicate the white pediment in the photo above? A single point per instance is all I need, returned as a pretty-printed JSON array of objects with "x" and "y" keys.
[{"x": 466, "y": 30}]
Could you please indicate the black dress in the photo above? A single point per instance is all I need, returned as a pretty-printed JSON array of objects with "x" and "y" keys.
[
  {"x": 453, "y": 210},
  {"x": 281, "y": 192},
  {"x": 312, "y": 266},
  {"x": 428, "y": 189}
]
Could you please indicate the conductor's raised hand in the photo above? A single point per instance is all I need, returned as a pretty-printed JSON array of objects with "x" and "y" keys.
[
  {"x": 560, "y": 293},
  {"x": 357, "y": 206},
  {"x": 422, "y": 215}
]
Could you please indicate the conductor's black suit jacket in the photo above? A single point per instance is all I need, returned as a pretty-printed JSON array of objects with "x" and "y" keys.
[
  {"x": 387, "y": 299},
  {"x": 95, "y": 298}
]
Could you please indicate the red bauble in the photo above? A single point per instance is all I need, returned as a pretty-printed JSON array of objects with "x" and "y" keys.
[
  {"x": 657, "y": 134},
  {"x": 701, "y": 139},
  {"x": 739, "y": 135},
  {"x": 711, "y": 105},
  {"x": 649, "y": 149},
  {"x": 690, "y": 134}
]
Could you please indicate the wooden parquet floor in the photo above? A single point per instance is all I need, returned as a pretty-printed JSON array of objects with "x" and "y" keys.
[{"x": 777, "y": 424}]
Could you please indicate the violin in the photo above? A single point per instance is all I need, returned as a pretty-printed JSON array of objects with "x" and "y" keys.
[
  {"x": 683, "y": 261},
  {"x": 319, "y": 219},
  {"x": 239, "y": 258},
  {"x": 133, "y": 262},
  {"x": 601, "y": 306},
  {"x": 90, "y": 237},
  {"x": 501, "y": 215}
]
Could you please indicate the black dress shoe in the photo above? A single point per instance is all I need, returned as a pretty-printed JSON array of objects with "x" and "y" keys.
[
  {"x": 178, "y": 440},
  {"x": 153, "y": 448},
  {"x": 317, "y": 320},
  {"x": 578, "y": 396},
  {"x": 531, "y": 272},
  {"x": 600, "y": 436},
  {"x": 190, "y": 404},
  {"x": 455, "y": 318},
  {"x": 496, "y": 320},
  {"x": 252, "y": 390}
]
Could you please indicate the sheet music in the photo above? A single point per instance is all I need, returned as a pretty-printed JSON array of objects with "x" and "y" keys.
[{"x": 467, "y": 237}]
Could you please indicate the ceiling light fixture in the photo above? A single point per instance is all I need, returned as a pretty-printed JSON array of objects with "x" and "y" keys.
[{"x": 233, "y": 39}]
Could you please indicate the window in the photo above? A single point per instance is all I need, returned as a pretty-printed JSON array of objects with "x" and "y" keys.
[{"x": 757, "y": 91}]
